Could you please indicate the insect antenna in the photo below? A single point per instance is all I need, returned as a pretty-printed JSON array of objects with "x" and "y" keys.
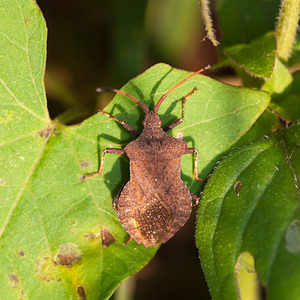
[
  {"x": 160, "y": 101},
  {"x": 141, "y": 104}
]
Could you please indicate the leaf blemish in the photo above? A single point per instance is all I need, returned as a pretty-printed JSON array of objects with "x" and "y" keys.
[
  {"x": 85, "y": 163},
  {"x": 2, "y": 181},
  {"x": 21, "y": 253},
  {"x": 179, "y": 136},
  {"x": 46, "y": 132},
  {"x": 14, "y": 279},
  {"x": 90, "y": 236},
  {"x": 107, "y": 237},
  {"x": 292, "y": 237},
  {"x": 68, "y": 255},
  {"x": 45, "y": 268},
  {"x": 81, "y": 292},
  {"x": 238, "y": 187}
]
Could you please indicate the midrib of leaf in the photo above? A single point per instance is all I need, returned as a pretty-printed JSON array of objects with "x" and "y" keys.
[{"x": 25, "y": 184}]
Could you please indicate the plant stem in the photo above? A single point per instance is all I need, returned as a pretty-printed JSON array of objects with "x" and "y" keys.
[
  {"x": 287, "y": 27},
  {"x": 206, "y": 14}
]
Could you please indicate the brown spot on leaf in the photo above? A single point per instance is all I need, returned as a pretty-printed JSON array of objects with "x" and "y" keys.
[
  {"x": 90, "y": 236},
  {"x": 81, "y": 292},
  {"x": 85, "y": 163},
  {"x": 45, "y": 269},
  {"x": 14, "y": 279},
  {"x": 238, "y": 187},
  {"x": 107, "y": 237},
  {"x": 46, "y": 132},
  {"x": 68, "y": 254},
  {"x": 21, "y": 253}
]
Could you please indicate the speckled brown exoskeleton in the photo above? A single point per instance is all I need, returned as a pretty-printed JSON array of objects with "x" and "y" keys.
[{"x": 155, "y": 203}]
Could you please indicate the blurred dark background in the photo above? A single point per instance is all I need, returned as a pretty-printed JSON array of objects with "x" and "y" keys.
[{"x": 96, "y": 43}]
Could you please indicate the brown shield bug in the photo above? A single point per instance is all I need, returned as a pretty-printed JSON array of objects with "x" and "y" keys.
[{"x": 155, "y": 203}]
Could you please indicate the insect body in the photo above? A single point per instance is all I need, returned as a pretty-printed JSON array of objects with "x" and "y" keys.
[{"x": 155, "y": 203}]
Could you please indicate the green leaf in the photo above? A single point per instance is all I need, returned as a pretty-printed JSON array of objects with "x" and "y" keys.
[
  {"x": 295, "y": 58},
  {"x": 256, "y": 58},
  {"x": 280, "y": 80},
  {"x": 22, "y": 58},
  {"x": 287, "y": 102},
  {"x": 263, "y": 127},
  {"x": 47, "y": 214},
  {"x": 251, "y": 204},
  {"x": 243, "y": 21}
]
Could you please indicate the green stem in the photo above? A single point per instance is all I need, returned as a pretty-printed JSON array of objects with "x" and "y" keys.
[
  {"x": 287, "y": 27},
  {"x": 206, "y": 14}
]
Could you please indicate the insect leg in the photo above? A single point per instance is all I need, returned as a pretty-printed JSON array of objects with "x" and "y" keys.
[
  {"x": 107, "y": 150},
  {"x": 193, "y": 150},
  {"x": 195, "y": 198},
  {"x": 116, "y": 199},
  {"x": 123, "y": 123},
  {"x": 179, "y": 121}
]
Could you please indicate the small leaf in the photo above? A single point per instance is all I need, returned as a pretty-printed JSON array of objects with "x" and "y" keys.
[
  {"x": 260, "y": 219},
  {"x": 256, "y": 58},
  {"x": 287, "y": 103},
  {"x": 280, "y": 80}
]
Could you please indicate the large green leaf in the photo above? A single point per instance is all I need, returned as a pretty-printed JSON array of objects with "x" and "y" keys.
[
  {"x": 251, "y": 205},
  {"x": 50, "y": 221}
]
